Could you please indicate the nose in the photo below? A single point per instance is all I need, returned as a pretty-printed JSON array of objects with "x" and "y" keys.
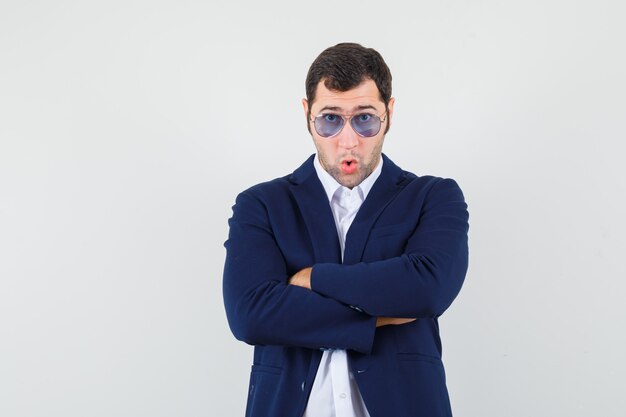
[{"x": 348, "y": 138}]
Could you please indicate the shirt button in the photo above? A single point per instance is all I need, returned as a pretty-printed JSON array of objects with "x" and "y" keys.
[{"x": 342, "y": 395}]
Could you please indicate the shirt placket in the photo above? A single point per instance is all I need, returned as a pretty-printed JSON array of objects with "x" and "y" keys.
[{"x": 340, "y": 372}]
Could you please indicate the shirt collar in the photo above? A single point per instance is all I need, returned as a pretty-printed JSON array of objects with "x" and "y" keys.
[{"x": 331, "y": 185}]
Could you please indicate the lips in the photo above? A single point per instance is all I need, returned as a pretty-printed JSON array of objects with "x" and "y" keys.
[{"x": 348, "y": 166}]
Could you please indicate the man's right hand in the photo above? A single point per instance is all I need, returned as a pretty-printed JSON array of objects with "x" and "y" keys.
[{"x": 386, "y": 321}]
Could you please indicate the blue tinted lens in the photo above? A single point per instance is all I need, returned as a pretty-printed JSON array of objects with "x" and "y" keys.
[
  {"x": 327, "y": 125},
  {"x": 366, "y": 124}
]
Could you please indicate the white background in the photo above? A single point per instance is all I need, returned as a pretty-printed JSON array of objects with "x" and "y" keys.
[{"x": 128, "y": 127}]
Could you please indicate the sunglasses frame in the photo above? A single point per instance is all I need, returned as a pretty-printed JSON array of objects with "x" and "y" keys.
[{"x": 348, "y": 120}]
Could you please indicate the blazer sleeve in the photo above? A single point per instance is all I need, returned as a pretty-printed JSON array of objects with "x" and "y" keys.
[
  {"x": 421, "y": 282},
  {"x": 262, "y": 309}
]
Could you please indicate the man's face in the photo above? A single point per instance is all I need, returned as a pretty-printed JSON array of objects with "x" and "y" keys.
[{"x": 348, "y": 157}]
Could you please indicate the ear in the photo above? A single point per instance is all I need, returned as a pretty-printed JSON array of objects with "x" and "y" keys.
[
  {"x": 392, "y": 100},
  {"x": 305, "y": 107}
]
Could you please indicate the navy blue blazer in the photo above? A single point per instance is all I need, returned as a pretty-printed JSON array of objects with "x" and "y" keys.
[{"x": 406, "y": 255}]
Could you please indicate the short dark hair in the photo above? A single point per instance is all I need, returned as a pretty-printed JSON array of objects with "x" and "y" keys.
[{"x": 344, "y": 66}]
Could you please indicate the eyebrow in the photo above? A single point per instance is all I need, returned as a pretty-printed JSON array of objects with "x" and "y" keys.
[{"x": 337, "y": 108}]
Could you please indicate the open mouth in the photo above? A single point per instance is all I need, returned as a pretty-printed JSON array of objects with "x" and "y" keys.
[{"x": 348, "y": 166}]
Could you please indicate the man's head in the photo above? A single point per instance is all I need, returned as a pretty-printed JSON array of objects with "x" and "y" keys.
[{"x": 348, "y": 109}]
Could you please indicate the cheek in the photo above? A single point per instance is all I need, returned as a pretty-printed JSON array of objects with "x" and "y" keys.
[
  {"x": 372, "y": 150},
  {"x": 325, "y": 147}
]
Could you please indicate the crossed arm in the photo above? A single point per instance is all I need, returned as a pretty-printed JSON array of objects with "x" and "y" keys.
[
  {"x": 335, "y": 305},
  {"x": 302, "y": 279}
]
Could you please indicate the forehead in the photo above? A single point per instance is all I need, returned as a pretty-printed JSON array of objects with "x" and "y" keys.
[{"x": 364, "y": 94}]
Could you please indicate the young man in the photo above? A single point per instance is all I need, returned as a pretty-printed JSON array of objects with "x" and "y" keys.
[{"x": 338, "y": 272}]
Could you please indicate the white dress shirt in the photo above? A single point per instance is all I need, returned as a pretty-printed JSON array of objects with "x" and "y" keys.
[{"x": 335, "y": 392}]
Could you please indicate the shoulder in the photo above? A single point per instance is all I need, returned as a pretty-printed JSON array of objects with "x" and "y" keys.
[
  {"x": 433, "y": 183},
  {"x": 420, "y": 184},
  {"x": 256, "y": 204}
]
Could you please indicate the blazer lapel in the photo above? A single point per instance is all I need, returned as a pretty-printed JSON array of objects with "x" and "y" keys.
[
  {"x": 387, "y": 186},
  {"x": 315, "y": 208}
]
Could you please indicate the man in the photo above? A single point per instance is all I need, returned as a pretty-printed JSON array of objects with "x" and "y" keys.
[{"x": 338, "y": 272}]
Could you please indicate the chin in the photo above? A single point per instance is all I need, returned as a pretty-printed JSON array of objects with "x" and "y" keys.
[{"x": 351, "y": 182}]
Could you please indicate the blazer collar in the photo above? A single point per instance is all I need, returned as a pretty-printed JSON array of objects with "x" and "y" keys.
[
  {"x": 313, "y": 203},
  {"x": 391, "y": 181}
]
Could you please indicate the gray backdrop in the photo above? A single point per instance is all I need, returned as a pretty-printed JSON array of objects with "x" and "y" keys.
[{"x": 128, "y": 127}]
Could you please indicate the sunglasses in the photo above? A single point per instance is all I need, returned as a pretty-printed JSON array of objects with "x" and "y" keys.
[{"x": 365, "y": 125}]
